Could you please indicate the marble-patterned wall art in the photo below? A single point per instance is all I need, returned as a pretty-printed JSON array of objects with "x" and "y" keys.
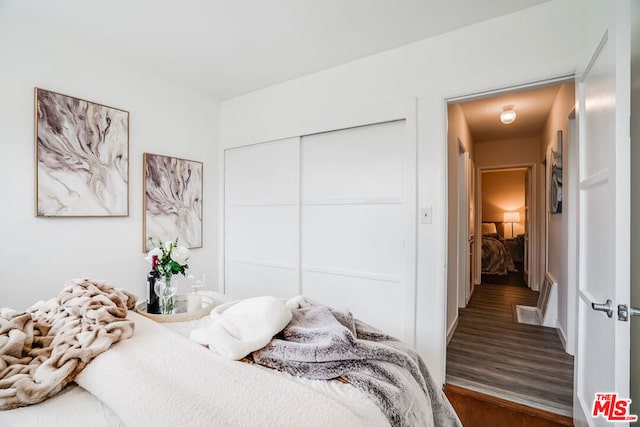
[
  {"x": 82, "y": 157},
  {"x": 172, "y": 200},
  {"x": 554, "y": 174}
]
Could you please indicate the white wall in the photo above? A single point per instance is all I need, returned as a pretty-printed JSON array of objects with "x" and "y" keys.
[
  {"x": 39, "y": 255},
  {"x": 466, "y": 61},
  {"x": 558, "y": 225}
]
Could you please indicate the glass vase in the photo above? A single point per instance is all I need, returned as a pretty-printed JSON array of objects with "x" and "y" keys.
[{"x": 166, "y": 288}]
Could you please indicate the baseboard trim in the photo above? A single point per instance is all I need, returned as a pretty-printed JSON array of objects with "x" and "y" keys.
[
  {"x": 451, "y": 330},
  {"x": 562, "y": 336},
  {"x": 466, "y": 303}
]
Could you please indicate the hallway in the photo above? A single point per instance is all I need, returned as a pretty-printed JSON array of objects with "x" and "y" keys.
[{"x": 491, "y": 353}]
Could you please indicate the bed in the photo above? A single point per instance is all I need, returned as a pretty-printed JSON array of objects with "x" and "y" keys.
[
  {"x": 496, "y": 258},
  {"x": 159, "y": 376}
]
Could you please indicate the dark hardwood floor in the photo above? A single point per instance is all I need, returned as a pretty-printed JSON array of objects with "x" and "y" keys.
[
  {"x": 493, "y": 354},
  {"x": 479, "y": 410}
]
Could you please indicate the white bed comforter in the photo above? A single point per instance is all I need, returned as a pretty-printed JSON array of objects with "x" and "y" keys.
[{"x": 160, "y": 378}]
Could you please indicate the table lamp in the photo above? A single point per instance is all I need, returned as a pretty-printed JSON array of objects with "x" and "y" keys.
[{"x": 511, "y": 217}]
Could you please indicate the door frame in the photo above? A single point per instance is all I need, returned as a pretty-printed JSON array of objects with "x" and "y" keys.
[
  {"x": 535, "y": 254},
  {"x": 463, "y": 267}
]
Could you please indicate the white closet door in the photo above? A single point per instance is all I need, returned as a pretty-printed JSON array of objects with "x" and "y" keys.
[
  {"x": 356, "y": 232},
  {"x": 262, "y": 219}
]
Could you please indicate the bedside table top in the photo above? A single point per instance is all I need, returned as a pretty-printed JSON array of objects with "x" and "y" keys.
[{"x": 187, "y": 307}]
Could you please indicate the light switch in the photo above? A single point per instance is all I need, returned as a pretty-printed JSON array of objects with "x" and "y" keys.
[{"x": 426, "y": 215}]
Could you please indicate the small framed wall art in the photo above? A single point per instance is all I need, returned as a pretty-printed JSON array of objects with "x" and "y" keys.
[
  {"x": 82, "y": 157},
  {"x": 554, "y": 174},
  {"x": 172, "y": 200}
]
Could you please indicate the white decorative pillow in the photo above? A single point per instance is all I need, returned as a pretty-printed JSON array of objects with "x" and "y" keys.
[{"x": 489, "y": 228}]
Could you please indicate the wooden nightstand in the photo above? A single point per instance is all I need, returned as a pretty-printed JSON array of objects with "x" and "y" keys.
[{"x": 515, "y": 247}]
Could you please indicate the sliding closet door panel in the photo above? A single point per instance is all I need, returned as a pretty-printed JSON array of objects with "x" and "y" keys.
[
  {"x": 362, "y": 297},
  {"x": 251, "y": 279},
  {"x": 262, "y": 219},
  {"x": 358, "y": 239},
  {"x": 263, "y": 234},
  {"x": 363, "y": 164},
  {"x": 262, "y": 174},
  {"x": 354, "y": 223}
]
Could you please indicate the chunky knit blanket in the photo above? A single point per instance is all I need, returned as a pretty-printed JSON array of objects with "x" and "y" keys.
[
  {"x": 43, "y": 348},
  {"x": 321, "y": 343}
]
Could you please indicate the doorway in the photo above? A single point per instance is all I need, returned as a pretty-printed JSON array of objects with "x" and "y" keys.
[
  {"x": 485, "y": 334},
  {"x": 505, "y": 202}
]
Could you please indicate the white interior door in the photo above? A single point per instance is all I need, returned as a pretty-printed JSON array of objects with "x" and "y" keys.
[
  {"x": 262, "y": 219},
  {"x": 602, "y": 357}
]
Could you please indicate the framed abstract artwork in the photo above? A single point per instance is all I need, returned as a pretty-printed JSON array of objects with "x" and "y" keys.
[
  {"x": 82, "y": 157},
  {"x": 172, "y": 200},
  {"x": 554, "y": 174}
]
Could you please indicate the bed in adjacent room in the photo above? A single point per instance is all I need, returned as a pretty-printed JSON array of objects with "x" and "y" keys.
[
  {"x": 299, "y": 363},
  {"x": 496, "y": 257}
]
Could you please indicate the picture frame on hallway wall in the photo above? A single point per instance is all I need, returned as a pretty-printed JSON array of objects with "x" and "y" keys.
[
  {"x": 81, "y": 157},
  {"x": 172, "y": 200},
  {"x": 554, "y": 174}
]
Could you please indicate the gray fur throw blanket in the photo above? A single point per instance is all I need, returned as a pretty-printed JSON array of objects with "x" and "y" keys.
[
  {"x": 43, "y": 348},
  {"x": 321, "y": 343}
]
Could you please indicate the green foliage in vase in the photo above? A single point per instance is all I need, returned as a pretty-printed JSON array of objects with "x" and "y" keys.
[{"x": 170, "y": 257}]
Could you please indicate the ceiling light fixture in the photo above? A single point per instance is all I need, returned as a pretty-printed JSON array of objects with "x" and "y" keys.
[{"x": 508, "y": 116}]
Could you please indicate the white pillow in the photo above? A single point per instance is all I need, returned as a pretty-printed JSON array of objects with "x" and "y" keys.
[{"x": 489, "y": 228}]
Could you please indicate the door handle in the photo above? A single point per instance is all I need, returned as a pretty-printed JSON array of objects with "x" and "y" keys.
[
  {"x": 624, "y": 312},
  {"x": 607, "y": 307}
]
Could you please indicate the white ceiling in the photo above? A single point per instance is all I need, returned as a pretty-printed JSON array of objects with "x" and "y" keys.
[
  {"x": 225, "y": 48},
  {"x": 532, "y": 108}
]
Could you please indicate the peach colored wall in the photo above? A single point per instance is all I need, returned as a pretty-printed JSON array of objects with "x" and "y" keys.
[
  {"x": 557, "y": 119},
  {"x": 457, "y": 130},
  {"x": 496, "y": 154},
  {"x": 503, "y": 191},
  {"x": 558, "y": 226},
  {"x": 507, "y": 152}
]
